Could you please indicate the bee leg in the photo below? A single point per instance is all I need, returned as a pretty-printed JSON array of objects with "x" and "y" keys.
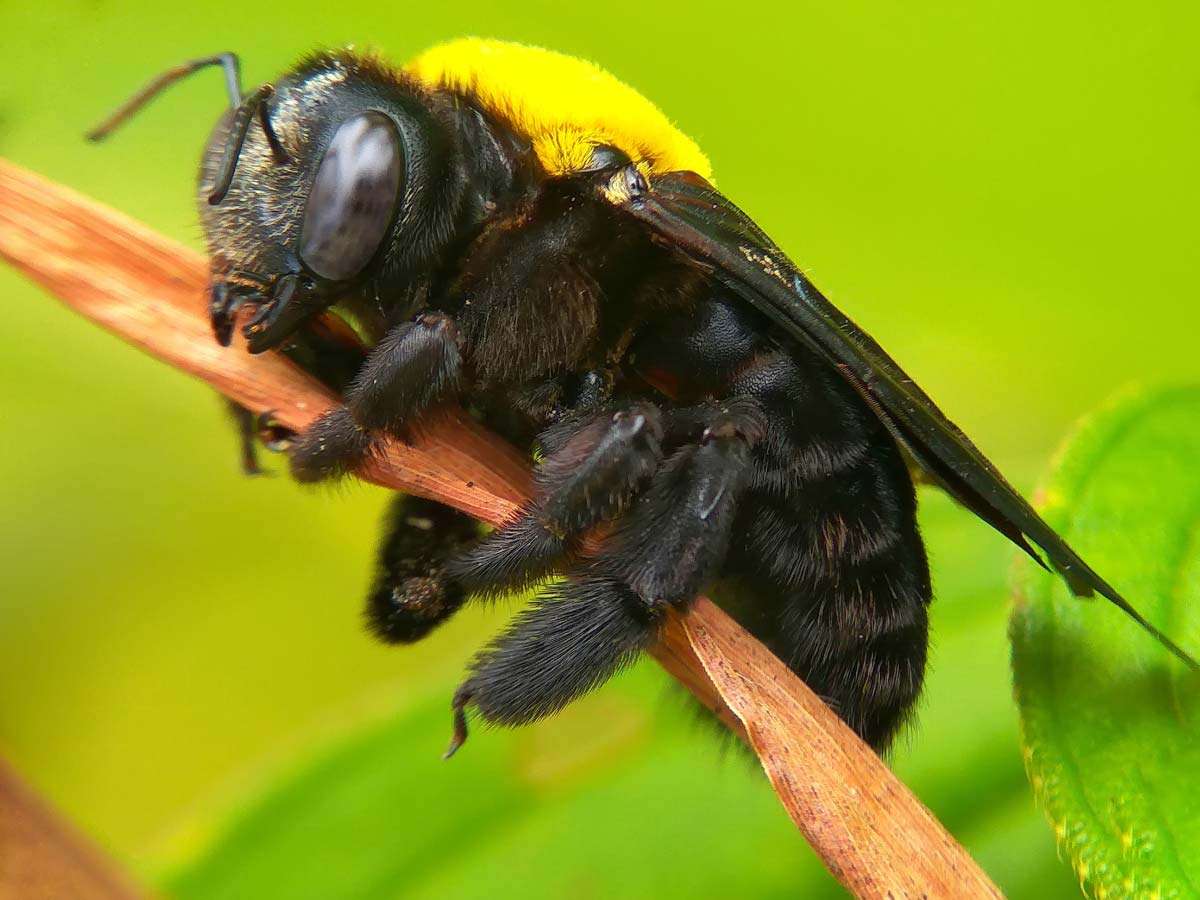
[
  {"x": 591, "y": 395},
  {"x": 254, "y": 429},
  {"x": 671, "y": 543},
  {"x": 547, "y": 410},
  {"x": 244, "y": 423},
  {"x": 411, "y": 594},
  {"x": 227, "y": 296},
  {"x": 564, "y": 644},
  {"x": 675, "y": 537},
  {"x": 590, "y": 477},
  {"x": 417, "y": 365}
]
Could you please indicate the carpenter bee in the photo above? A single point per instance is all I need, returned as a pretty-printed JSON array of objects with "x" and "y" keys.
[{"x": 516, "y": 231}]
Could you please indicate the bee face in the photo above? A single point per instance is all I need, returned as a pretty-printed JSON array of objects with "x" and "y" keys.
[{"x": 332, "y": 199}]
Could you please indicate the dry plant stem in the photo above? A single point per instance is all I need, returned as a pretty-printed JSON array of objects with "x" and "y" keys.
[
  {"x": 43, "y": 858},
  {"x": 870, "y": 830}
]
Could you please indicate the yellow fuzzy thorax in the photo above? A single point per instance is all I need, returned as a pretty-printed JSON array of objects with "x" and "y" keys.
[{"x": 566, "y": 106}]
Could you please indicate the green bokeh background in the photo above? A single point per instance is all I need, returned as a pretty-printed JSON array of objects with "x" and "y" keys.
[{"x": 1004, "y": 193}]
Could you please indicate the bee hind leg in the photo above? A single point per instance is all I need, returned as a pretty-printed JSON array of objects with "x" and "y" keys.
[
  {"x": 565, "y": 643},
  {"x": 661, "y": 553},
  {"x": 674, "y": 539}
]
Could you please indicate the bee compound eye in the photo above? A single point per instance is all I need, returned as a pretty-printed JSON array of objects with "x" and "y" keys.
[{"x": 353, "y": 197}]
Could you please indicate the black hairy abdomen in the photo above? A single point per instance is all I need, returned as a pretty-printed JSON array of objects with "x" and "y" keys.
[{"x": 826, "y": 565}]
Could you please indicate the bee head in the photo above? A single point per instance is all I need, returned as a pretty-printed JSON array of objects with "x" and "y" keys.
[
  {"x": 334, "y": 185},
  {"x": 335, "y": 178}
]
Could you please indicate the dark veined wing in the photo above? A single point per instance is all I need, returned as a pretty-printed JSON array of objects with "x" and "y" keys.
[{"x": 686, "y": 213}]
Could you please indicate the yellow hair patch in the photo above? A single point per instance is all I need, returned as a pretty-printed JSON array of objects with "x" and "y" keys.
[{"x": 565, "y": 106}]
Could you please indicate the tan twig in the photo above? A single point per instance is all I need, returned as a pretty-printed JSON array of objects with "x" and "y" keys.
[
  {"x": 43, "y": 858},
  {"x": 870, "y": 830}
]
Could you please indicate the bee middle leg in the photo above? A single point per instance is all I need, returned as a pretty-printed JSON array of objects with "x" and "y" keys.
[{"x": 591, "y": 475}]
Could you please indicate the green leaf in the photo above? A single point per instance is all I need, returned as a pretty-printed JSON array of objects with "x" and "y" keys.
[
  {"x": 531, "y": 813},
  {"x": 1110, "y": 721}
]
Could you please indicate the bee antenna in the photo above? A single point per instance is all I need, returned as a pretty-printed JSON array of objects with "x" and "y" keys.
[
  {"x": 244, "y": 110},
  {"x": 233, "y": 84},
  {"x": 255, "y": 104}
]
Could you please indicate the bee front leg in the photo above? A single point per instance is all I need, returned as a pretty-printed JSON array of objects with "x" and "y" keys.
[
  {"x": 418, "y": 365},
  {"x": 229, "y": 294}
]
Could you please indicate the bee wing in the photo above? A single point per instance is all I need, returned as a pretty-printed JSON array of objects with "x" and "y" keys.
[{"x": 686, "y": 213}]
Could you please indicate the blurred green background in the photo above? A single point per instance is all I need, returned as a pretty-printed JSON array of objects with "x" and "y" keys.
[{"x": 1003, "y": 193}]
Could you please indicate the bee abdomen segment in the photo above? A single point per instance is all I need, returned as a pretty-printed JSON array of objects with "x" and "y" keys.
[{"x": 864, "y": 651}]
